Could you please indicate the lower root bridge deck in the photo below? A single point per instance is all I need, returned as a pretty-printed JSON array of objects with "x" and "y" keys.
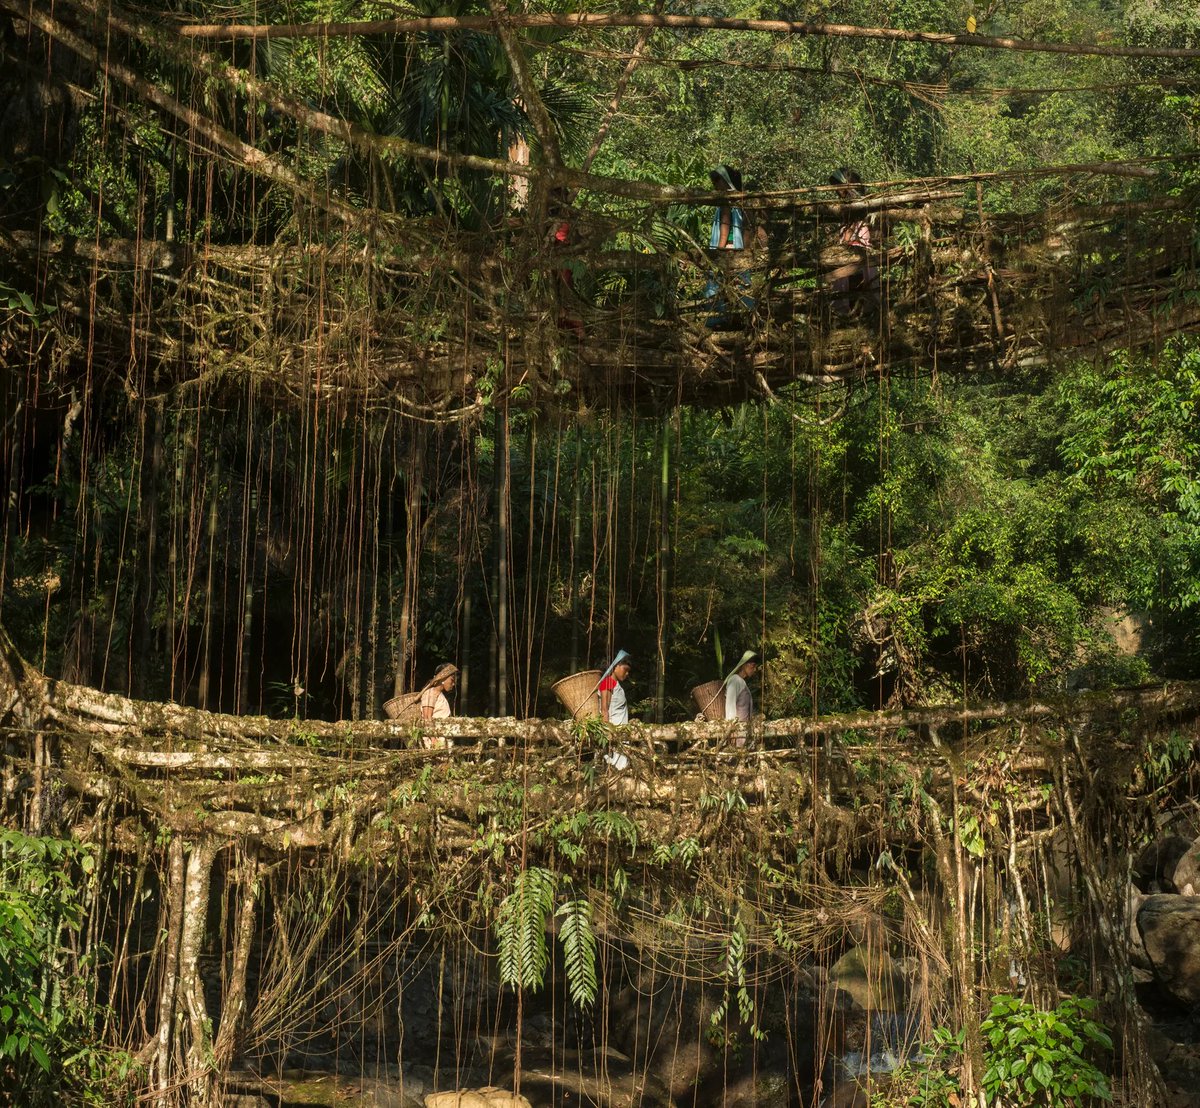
[{"x": 332, "y": 839}]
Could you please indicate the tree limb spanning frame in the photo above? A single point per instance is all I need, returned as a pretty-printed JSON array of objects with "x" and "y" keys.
[
  {"x": 257, "y": 161},
  {"x": 584, "y": 21}
]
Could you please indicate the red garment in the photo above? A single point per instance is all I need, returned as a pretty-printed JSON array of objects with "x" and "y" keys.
[
  {"x": 561, "y": 237},
  {"x": 608, "y": 684}
]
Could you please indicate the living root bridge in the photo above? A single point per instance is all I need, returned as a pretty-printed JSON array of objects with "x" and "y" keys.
[
  {"x": 291, "y": 825},
  {"x": 290, "y": 784}
]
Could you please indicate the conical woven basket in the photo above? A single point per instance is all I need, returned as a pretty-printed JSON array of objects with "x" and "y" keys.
[
  {"x": 710, "y": 699},
  {"x": 578, "y": 694},
  {"x": 406, "y": 706}
]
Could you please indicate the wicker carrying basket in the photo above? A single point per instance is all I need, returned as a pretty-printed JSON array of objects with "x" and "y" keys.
[
  {"x": 406, "y": 706},
  {"x": 578, "y": 693},
  {"x": 710, "y": 699}
]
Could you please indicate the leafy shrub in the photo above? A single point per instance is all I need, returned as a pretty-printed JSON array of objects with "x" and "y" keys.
[
  {"x": 47, "y": 1022},
  {"x": 1037, "y": 1057},
  {"x": 1033, "y": 1058}
]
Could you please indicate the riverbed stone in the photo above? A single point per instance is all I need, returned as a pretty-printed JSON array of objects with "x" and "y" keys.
[
  {"x": 1170, "y": 929},
  {"x": 311, "y": 1088},
  {"x": 488, "y": 1097}
]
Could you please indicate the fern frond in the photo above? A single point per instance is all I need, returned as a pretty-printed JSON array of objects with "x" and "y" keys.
[
  {"x": 616, "y": 825},
  {"x": 579, "y": 949},
  {"x": 521, "y": 928}
]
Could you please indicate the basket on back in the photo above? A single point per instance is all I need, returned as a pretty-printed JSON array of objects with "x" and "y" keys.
[
  {"x": 578, "y": 693},
  {"x": 406, "y": 706},
  {"x": 710, "y": 699}
]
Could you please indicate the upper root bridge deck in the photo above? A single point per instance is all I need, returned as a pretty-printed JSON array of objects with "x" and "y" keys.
[{"x": 438, "y": 323}]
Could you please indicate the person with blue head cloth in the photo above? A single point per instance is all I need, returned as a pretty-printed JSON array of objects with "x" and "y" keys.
[{"x": 613, "y": 706}]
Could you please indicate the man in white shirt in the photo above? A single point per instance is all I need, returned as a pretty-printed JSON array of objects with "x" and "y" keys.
[{"x": 739, "y": 704}]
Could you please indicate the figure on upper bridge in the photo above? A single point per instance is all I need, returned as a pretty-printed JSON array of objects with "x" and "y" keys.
[
  {"x": 729, "y": 231},
  {"x": 858, "y": 276},
  {"x": 560, "y": 238},
  {"x": 729, "y": 221}
]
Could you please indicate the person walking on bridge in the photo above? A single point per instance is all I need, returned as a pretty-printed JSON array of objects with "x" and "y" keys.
[
  {"x": 739, "y": 703},
  {"x": 613, "y": 706},
  {"x": 729, "y": 231},
  {"x": 434, "y": 704},
  {"x": 860, "y": 276}
]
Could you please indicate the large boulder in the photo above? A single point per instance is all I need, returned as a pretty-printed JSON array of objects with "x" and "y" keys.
[
  {"x": 1186, "y": 875},
  {"x": 666, "y": 1029},
  {"x": 1138, "y": 958},
  {"x": 1170, "y": 928},
  {"x": 668, "y": 1040},
  {"x": 869, "y": 976},
  {"x": 588, "y": 1076},
  {"x": 1154, "y": 869}
]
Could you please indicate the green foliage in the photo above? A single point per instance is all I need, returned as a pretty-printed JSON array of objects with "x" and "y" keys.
[
  {"x": 932, "y": 1080},
  {"x": 734, "y": 973},
  {"x": 1133, "y": 425},
  {"x": 1170, "y": 755},
  {"x": 579, "y": 949},
  {"x": 1037, "y": 1057},
  {"x": 520, "y": 928},
  {"x": 1033, "y": 1058},
  {"x": 48, "y": 1042}
]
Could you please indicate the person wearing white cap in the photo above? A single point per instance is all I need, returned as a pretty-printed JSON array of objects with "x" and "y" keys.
[{"x": 739, "y": 704}]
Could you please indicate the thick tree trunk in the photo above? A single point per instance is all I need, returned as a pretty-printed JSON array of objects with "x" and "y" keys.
[
  {"x": 233, "y": 1003},
  {"x": 503, "y": 500},
  {"x": 576, "y": 534},
  {"x": 204, "y": 688},
  {"x": 413, "y": 530},
  {"x": 581, "y": 20},
  {"x": 664, "y": 554},
  {"x": 169, "y": 982},
  {"x": 197, "y": 1046}
]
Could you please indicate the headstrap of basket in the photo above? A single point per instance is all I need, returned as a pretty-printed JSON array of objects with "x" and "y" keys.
[{"x": 447, "y": 669}]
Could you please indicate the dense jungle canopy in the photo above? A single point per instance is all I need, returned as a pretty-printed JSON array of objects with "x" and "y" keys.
[
  {"x": 290, "y": 407},
  {"x": 342, "y": 339}
]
